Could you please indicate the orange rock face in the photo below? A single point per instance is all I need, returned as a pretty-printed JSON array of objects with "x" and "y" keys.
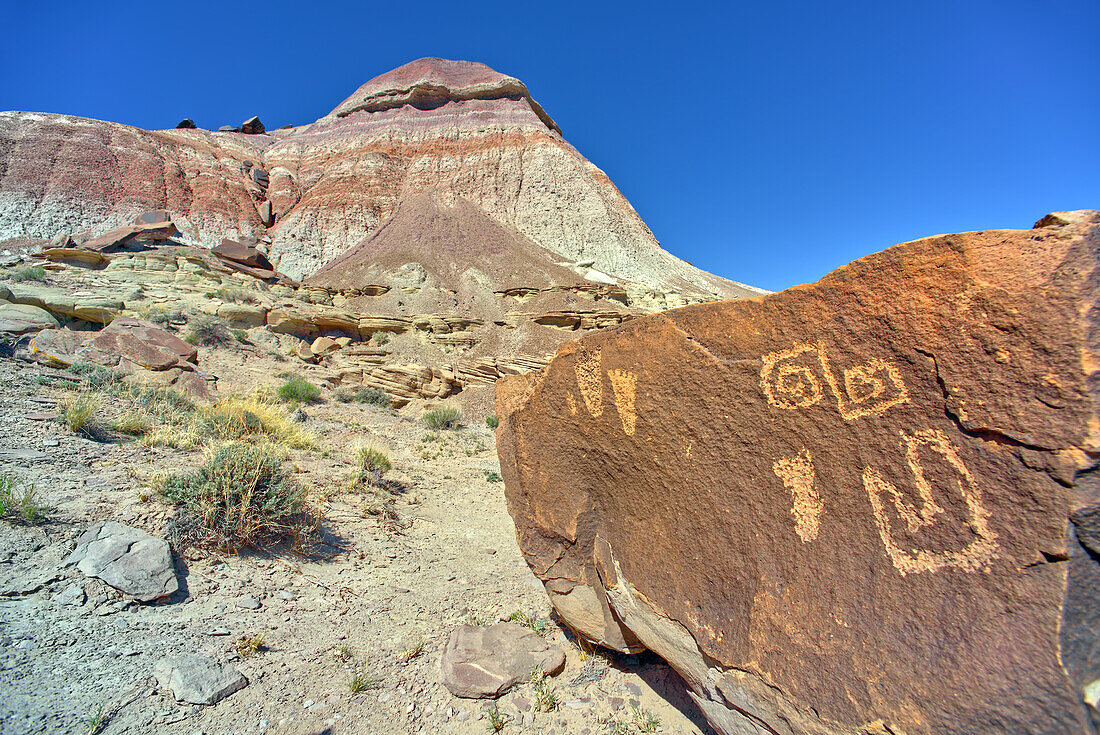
[{"x": 869, "y": 504}]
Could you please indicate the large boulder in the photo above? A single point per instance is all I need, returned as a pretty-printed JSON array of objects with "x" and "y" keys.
[
  {"x": 865, "y": 505},
  {"x": 486, "y": 662},
  {"x": 23, "y": 318}
]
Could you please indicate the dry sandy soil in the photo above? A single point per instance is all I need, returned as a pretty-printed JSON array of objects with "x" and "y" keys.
[{"x": 369, "y": 594}]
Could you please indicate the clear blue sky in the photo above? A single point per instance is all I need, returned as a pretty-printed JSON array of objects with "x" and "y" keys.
[{"x": 768, "y": 142}]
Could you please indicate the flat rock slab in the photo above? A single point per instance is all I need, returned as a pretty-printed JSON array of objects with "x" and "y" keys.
[
  {"x": 482, "y": 662},
  {"x": 23, "y": 318},
  {"x": 197, "y": 679},
  {"x": 126, "y": 558}
]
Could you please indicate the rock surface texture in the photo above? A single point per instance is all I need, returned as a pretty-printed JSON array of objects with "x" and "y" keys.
[
  {"x": 865, "y": 505},
  {"x": 484, "y": 662},
  {"x": 456, "y": 128},
  {"x": 197, "y": 679},
  {"x": 128, "y": 559}
]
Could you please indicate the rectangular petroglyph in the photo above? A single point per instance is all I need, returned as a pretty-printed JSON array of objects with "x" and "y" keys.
[
  {"x": 797, "y": 474},
  {"x": 795, "y": 378}
]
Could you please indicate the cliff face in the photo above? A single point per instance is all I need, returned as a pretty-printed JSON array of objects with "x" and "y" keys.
[{"x": 454, "y": 128}]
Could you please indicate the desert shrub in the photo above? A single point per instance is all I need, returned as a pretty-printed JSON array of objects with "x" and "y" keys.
[
  {"x": 18, "y": 501},
  {"x": 240, "y": 335},
  {"x": 372, "y": 396},
  {"x": 32, "y": 273},
  {"x": 208, "y": 331},
  {"x": 236, "y": 295},
  {"x": 162, "y": 315},
  {"x": 96, "y": 376},
  {"x": 243, "y": 495},
  {"x": 298, "y": 390},
  {"x": 163, "y": 402},
  {"x": 81, "y": 413},
  {"x": 380, "y": 338},
  {"x": 492, "y": 422},
  {"x": 444, "y": 417},
  {"x": 371, "y": 463}
]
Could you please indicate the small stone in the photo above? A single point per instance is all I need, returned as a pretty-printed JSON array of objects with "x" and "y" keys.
[
  {"x": 50, "y": 443},
  {"x": 248, "y": 603},
  {"x": 218, "y": 632},
  {"x": 286, "y": 595},
  {"x": 71, "y": 595},
  {"x": 197, "y": 679}
]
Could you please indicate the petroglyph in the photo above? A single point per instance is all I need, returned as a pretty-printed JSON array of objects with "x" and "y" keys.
[
  {"x": 788, "y": 377},
  {"x": 589, "y": 380},
  {"x": 797, "y": 474},
  {"x": 624, "y": 385},
  {"x": 793, "y": 379},
  {"x": 893, "y": 509}
]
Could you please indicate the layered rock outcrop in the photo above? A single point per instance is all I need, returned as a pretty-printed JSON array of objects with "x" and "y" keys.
[
  {"x": 866, "y": 505},
  {"x": 455, "y": 128}
]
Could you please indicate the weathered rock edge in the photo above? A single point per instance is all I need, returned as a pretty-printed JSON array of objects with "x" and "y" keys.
[{"x": 866, "y": 505}]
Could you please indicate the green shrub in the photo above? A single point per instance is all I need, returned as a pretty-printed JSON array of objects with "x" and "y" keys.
[
  {"x": 371, "y": 463},
  {"x": 209, "y": 331},
  {"x": 380, "y": 338},
  {"x": 243, "y": 495},
  {"x": 491, "y": 476},
  {"x": 373, "y": 396},
  {"x": 96, "y": 376},
  {"x": 492, "y": 422},
  {"x": 18, "y": 502},
  {"x": 32, "y": 273},
  {"x": 298, "y": 389},
  {"x": 444, "y": 417},
  {"x": 240, "y": 335}
]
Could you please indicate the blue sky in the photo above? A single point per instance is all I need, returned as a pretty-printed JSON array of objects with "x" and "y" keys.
[{"x": 768, "y": 142}]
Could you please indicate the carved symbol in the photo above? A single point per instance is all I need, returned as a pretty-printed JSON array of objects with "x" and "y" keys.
[
  {"x": 788, "y": 377},
  {"x": 623, "y": 385},
  {"x": 919, "y": 515},
  {"x": 797, "y": 474},
  {"x": 793, "y": 379},
  {"x": 587, "y": 368}
]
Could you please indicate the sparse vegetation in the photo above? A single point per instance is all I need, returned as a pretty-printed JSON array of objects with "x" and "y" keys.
[
  {"x": 645, "y": 720},
  {"x": 238, "y": 417},
  {"x": 379, "y": 338},
  {"x": 95, "y": 721},
  {"x": 546, "y": 698},
  {"x": 18, "y": 502},
  {"x": 81, "y": 413},
  {"x": 162, "y": 315},
  {"x": 362, "y": 681},
  {"x": 492, "y": 422},
  {"x": 132, "y": 423},
  {"x": 240, "y": 335},
  {"x": 495, "y": 718},
  {"x": 243, "y": 495},
  {"x": 235, "y": 295},
  {"x": 535, "y": 623},
  {"x": 343, "y": 653},
  {"x": 413, "y": 650},
  {"x": 250, "y": 645},
  {"x": 492, "y": 476},
  {"x": 209, "y": 331},
  {"x": 371, "y": 463},
  {"x": 296, "y": 389},
  {"x": 31, "y": 273},
  {"x": 95, "y": 376},
  {"x": 444, "y": 417},
  {"x": 372, "y": 396}
]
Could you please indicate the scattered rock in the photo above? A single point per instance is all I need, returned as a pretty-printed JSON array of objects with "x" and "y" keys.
[
  {"x": 186, "y": 124},
  {"x": 248, "y": 603},
  {"x": 71, "y": 595},
  {"x": 228, "y": 129},
  {"x": 252, "y": 126},
  {"x": 128, "y": 559},
  {"x": 481, "y": 662},
  {"x": 197, "y": 679}
]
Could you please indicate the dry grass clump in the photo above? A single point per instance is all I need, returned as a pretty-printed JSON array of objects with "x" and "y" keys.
[
  {"x": 444, "y": 417},
  {"x": 18, "y": 502},
  {"x": 250, "y": 645},
  {"x": 81, "y": 413},
  {"x": 371, "y": 462},
  {"x": 236, "y": 295},
  {"x": 237, "y": 417},
  {"x": 209, "y": 331},
  {"x": 244, "y": 495}
]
